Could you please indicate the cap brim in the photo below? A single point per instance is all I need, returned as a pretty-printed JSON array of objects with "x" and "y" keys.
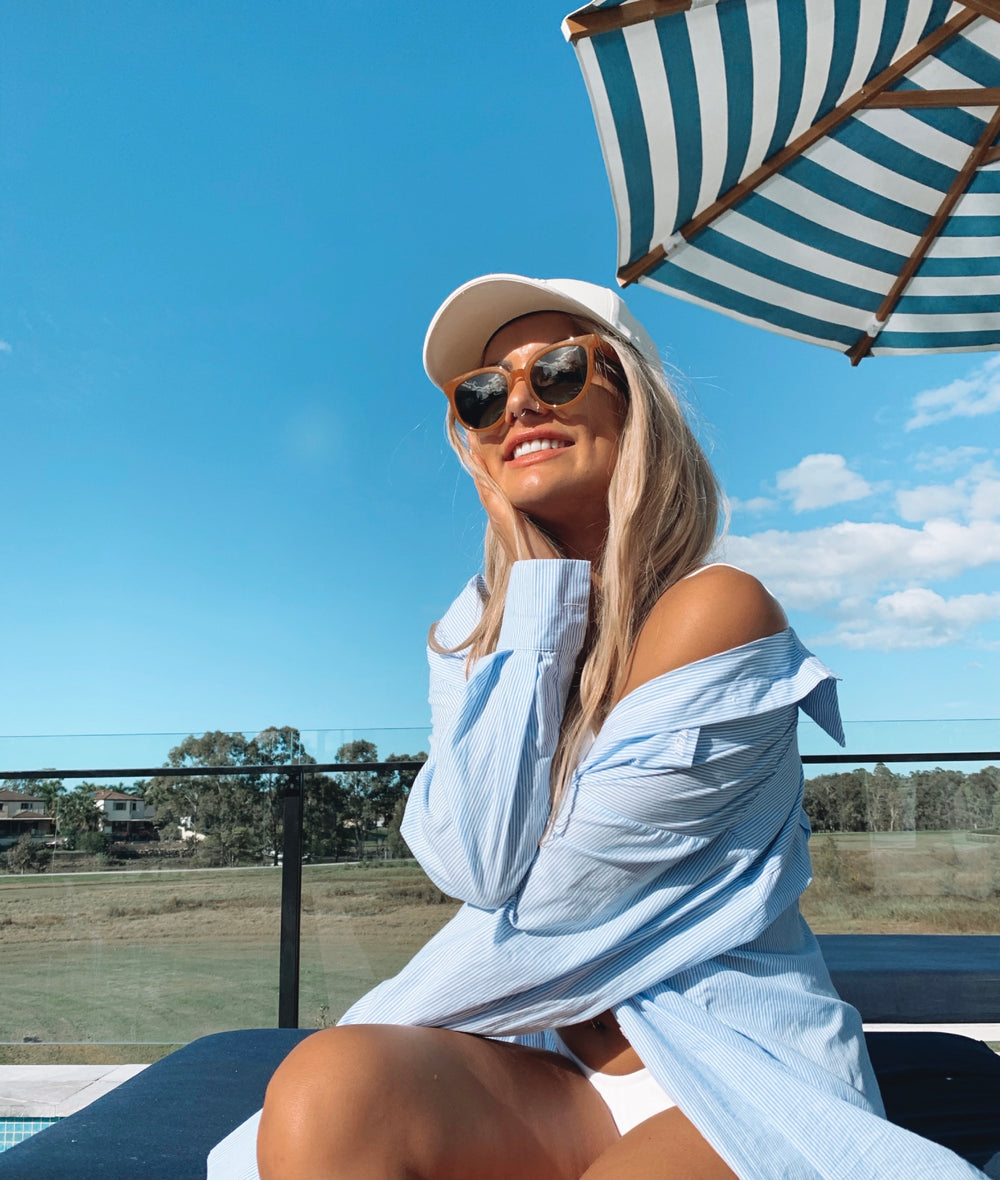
[{"x": 476, "y": 311}]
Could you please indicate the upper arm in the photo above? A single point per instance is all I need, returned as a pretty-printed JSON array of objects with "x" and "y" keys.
[{"x": 719, "y": 608}]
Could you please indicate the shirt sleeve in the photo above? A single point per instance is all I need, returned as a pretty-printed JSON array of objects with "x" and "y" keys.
[
  {"x": 480, "y": 804},
  {"x": 681, "y": 837}
]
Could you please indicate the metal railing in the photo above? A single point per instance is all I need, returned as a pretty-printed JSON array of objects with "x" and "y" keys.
[{"x": 293, "y": 794}]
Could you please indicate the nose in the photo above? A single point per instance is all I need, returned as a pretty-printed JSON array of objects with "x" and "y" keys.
[{"x": 521, "y": 400}]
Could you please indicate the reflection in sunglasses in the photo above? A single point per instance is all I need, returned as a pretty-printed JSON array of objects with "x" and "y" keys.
[{"x": 556, "y": 374}]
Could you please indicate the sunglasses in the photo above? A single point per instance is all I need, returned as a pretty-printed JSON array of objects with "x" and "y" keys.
[{"x": 556, "y": 375}]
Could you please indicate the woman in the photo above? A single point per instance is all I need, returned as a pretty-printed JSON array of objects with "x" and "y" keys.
[{"x": 614, "y": 790}]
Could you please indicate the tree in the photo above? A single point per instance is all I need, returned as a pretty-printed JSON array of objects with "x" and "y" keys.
[
  {"x": 980, "y": 796},
  {"x": 26, "y": 857},
  {"x": 938, "y": 795},
  {"x": 396, "y": 846},
  {"x": 398, "y": 784},
  {"x": 889, "y": 801},
  {"x": 76, "y": 812},
  {"x": 373, "y": 800},
  {"x": 358, "y": 787},
  {"x": 239, "y": 814},
  {"x": 924, "y": 800},
  {"x": 225, "y": 808},
  {"x": 836, "y": 802},
  {"x": 399, "y": 791},
  {"x": 50, "y": 789},
  {"x": 324, "y": 835},
  {"x": 280, "y": 746}
]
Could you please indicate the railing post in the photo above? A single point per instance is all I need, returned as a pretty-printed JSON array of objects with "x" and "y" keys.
[{"x": 291, "y": 901}]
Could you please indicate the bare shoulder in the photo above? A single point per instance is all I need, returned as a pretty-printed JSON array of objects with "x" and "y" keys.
[{"x": 716, "y": 609}]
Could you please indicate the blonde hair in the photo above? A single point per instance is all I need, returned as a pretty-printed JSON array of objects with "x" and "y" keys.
[{"x": 663, "y": 502}]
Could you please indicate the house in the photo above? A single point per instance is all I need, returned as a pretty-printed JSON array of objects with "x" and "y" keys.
[
  {"x": 20, "y": 812},
  {"x": 125, "y": 817}
]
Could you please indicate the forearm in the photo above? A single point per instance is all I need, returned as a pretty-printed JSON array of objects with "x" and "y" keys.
[{"x": 480, "y": 804}]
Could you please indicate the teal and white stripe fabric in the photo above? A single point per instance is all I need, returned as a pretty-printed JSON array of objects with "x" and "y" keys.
[
  {"x": 667, "y": 891},
  {"x": 691, "y": 103}
]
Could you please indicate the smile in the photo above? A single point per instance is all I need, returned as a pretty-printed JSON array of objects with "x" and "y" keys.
[{"x": 537, "y": 444}]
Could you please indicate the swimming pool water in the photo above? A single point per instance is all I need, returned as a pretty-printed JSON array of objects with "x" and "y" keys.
[{"x": 14, "y": 1130}]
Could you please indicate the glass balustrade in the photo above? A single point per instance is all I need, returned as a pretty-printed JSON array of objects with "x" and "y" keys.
[{"x": 124, "y": 930}]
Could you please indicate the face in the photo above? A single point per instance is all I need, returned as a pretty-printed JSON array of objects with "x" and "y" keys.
[{"x": 564, "y": 485}]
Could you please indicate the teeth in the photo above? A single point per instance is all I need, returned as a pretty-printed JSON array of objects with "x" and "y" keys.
[{"x": 537, "y": 444}]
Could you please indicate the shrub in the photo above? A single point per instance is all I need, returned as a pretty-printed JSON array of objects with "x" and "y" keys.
[
  {"x": 94, "y": 843},
  {"x": 122, "y": 851},
  {"x": 26, "y": 857}
]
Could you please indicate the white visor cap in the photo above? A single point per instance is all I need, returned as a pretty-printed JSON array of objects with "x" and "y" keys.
[{"x": 471, "y": 315}]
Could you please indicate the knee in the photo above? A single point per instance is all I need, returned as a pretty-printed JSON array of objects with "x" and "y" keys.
[
  {"x": 343, "y": 1069},
  {"x": 324, "y": 1100}
]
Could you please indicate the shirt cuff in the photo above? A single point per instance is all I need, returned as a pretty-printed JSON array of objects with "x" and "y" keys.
[{"x": 546, "y": 606}]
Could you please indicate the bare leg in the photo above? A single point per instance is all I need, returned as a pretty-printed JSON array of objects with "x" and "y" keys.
[
  {"x": 667, "y": 1146},
  {"x": 388, "y": 1102}
]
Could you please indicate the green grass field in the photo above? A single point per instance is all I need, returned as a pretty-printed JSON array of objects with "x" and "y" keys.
[
  {"x": 904, "y": 883},
  {"x": 118, "y": 960},
  {"x": 166, "y": 957}
]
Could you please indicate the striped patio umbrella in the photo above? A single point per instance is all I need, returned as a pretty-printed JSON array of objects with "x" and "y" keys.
[{"x": 827, "y": 169}]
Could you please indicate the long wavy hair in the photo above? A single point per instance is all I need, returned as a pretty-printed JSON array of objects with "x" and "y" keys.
[{"x": 663, "y": 502}]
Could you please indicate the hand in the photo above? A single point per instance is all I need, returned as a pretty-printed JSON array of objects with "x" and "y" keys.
[{"x": 517, "y": 533}]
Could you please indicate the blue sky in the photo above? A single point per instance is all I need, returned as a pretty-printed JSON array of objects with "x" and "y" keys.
[{"x": 225, "y": 497}]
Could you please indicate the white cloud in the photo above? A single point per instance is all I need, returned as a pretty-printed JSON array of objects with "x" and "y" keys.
[
  {"x": 930, "y": 501},
  {"x": 819, "y": 481},
  {"x": 755, "y": 505},
  {"x": 5, "y": 347},
  {"x": 945, "y": 458},
  {"x": 968, "y": 397},
  {"x": 975, "y": 495},
  {"x": 915, "y": 618},
  {"x": 820, "y": 568},
  {"x": 876, "y": 583},
  {"x": 984, "y": 502}
]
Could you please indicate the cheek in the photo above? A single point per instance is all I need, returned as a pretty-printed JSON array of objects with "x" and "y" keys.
[
  {"x": 485, "y": 453},
  {"x": 606, "y": 433}
]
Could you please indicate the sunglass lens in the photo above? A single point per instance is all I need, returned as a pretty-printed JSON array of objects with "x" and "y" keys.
[
  {"x": 557, "y": 377},
  {"x": 480, "y": 400}
]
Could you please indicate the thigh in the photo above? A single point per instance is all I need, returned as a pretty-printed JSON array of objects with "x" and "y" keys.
[
  {"x": 667, "y": 1146},
  {"x": 394, "y": 1101}
]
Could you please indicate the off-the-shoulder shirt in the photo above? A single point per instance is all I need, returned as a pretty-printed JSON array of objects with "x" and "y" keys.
[{"x": 667, "y": 889}]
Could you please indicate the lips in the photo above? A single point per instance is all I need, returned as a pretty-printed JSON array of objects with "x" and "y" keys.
[
  {"x": 533, "y": 442},
  {"x": 538, "y": 444}
]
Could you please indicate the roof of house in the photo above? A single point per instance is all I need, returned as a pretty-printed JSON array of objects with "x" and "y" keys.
[
  {"x": 20, "y": 797},
  {"x": 107, "y": 793}
]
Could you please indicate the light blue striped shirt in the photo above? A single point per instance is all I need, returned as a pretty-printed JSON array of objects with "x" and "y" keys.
[{"x": 667, "y": 891}]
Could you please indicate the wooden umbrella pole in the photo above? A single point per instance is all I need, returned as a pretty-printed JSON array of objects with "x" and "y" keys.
[{"x": 860, "y": 349}]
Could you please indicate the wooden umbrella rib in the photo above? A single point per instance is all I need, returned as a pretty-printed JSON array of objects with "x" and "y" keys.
[
  {"x": 985, "y": 96},
  {"x": 958, "y": 187},
  {"x": 992, "y": 156},
  {"x": 990, "y": 8},
  {"x": 607, "y": 20},
  {"x": 930, "y": 44}
]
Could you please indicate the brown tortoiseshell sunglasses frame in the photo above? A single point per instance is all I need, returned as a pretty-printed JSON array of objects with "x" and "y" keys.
[{"x": 591, "y": 343}]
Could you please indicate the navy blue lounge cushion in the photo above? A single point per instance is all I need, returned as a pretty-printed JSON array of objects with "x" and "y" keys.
[
  {"x": 944, "y": 1087},
  {"x": 161, "y": 1124}
]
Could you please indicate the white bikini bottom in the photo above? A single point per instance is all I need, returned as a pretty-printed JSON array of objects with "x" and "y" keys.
[{"x": 631, "y": 1097}]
